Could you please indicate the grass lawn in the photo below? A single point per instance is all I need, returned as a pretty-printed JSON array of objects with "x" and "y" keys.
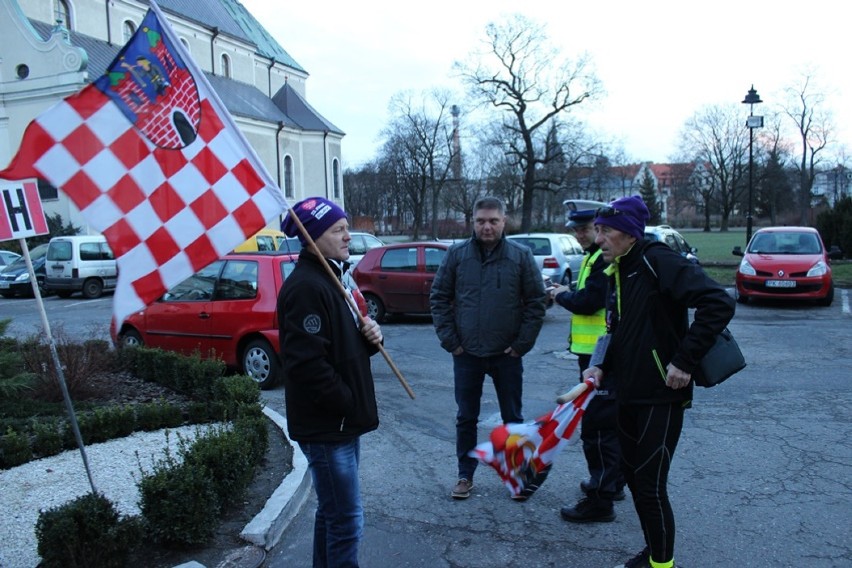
[{"x": 714, "y": 251}]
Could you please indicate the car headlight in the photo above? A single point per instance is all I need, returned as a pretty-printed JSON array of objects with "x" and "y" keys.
[
  {"x": 818, "y": 269},
  {"x": 747, "y": 269},
  {"x": 23, "y": 277}
]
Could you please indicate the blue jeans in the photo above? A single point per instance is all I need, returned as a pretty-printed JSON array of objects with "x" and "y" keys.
[
  {"x": 507, "y": 374},
  {"x": 339, "y": 519}
]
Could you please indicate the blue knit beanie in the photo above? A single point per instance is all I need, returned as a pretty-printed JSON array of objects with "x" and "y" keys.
[
  {"x": 317, "y": 214},
  {"x": 626, "y": 214}
]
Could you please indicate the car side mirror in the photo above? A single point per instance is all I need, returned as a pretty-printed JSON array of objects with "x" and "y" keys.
[{"x": 737, "y": 251}]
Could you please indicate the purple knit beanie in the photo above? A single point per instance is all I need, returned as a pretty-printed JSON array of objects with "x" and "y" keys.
[
  {"x": 626, "y": 214},
  {"x": 317, "y": 214}
]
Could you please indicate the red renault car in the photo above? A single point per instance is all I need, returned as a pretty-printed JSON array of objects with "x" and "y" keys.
[
  {"x": 785, "y": 263},
  {"x": 226, "y": 310}
]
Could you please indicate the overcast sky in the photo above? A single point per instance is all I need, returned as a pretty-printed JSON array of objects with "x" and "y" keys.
[{"x": 659, "y": 61}]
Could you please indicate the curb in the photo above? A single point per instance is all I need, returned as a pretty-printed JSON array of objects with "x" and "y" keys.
[{"x": 267, "y": 527}]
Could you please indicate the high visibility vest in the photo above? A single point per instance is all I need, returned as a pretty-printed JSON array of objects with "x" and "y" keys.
[{"x": 585, "y": 329}]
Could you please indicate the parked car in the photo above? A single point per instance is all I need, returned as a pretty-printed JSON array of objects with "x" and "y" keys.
[
  {"x": 675, "y": 240},
  {"x": 558, "y": 255},
  {"x": 785, "y": 263},
  {"x": 361, "y": 243},
  {"x": 15, "y": 277},
  {"x": 80, "y": 263},
  {"x": 263, "y": 240},
  {"x": 397, "y": 278},
  {"x": 8, "y": 257},
  {"x": 226, "y": 310}
]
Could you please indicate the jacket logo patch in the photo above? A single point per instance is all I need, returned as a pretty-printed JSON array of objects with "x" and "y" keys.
[{"x": 312, "y": 323}]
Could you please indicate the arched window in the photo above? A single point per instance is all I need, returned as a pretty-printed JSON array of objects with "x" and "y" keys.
[
  {"x": 226, "y": 66},
  {"x": 288, "y": 177},
  {"x": 127, "y": 30},
  {"x": 335, "y": 175},
  {"x": 62, "y": 13}
]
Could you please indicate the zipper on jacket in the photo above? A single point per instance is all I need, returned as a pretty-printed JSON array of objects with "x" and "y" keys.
[
  {"x": 659, "y": 364},
  {"x": 341, "y": 423}
]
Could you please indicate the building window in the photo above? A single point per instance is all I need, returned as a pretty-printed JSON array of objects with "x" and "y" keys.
[
  {"x": 185, "y": 44},
  {"x": 226, "y": 66},
  {"x": 62, "y": 13},
  {"x": 335, "y": 175},
  {"x": 127, "y": 30},
  {"x": 46, "y": 191},
  {"x": 288, "y": 177}
]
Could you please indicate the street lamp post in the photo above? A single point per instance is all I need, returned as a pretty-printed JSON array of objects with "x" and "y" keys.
[{"x": 751, "y": 99}]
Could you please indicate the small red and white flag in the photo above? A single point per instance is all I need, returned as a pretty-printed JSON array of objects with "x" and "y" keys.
[
  {"x": 154, "y": 161},
  {"x": 522, "y": 454}
]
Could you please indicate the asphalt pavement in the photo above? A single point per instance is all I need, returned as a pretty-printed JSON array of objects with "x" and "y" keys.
[{"x": 761, "y": 477}]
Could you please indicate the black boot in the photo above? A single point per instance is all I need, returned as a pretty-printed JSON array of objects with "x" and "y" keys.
[{"x": 589, "y": 510}]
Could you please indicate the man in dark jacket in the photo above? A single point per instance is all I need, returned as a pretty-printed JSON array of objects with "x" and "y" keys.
[
  {"x": 652, "y": 352},
  {"x": 598, "y": 433},
  {"x": 488, "y": 306},
  {"x": 328, "y": 382}
]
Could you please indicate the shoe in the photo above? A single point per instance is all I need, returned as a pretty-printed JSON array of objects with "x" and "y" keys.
[
  {"x": 589, "y": 487},
  {"x": 462, "y": 489},
  {"x": 641, "y": 560},
  {"x": 589, "y": 510}
]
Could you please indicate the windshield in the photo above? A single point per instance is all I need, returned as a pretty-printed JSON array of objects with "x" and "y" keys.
[
  {"x": 35, "y": 254},
  {"x": 289, "y": 244},
  {"x": 785, "y": 243}
]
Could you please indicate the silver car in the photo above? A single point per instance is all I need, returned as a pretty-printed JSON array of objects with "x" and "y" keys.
[{"x": 558, "y": 255}]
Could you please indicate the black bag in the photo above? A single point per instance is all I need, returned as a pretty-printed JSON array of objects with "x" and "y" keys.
[{"x": 723, "y": 360}]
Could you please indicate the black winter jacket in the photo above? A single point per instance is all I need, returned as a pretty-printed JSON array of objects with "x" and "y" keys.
[
  {"x": 328, "y": 382},
  {"x": 653, "y": 328},
  {"x": 488, "y": 304}
]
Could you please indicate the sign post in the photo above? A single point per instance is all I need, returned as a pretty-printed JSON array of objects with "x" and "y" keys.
[{"x": 21, "y": 216}]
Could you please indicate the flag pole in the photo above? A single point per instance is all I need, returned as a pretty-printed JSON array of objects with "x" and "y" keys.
[
  {"x": 60, "y": 375},
  {"x": 315, "y": 249},
  {"x": 573, "y": 393}
]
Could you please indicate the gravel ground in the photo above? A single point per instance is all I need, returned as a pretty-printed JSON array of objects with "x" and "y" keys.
[{"x": 49, "y": 482}]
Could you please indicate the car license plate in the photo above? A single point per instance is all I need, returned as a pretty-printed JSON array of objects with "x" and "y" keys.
[{"x": 780, "y": 283}]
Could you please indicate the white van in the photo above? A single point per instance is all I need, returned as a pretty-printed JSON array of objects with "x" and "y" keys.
[{"x": 80, "y": 264}]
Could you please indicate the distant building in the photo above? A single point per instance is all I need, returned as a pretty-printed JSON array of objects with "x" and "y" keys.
[{"x": 53, "y": 48}]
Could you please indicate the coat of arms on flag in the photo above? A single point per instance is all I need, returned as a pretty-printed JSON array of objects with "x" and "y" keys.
[
  {"x": 154, "y": 161},
  {"x": 523, "y": 454}
]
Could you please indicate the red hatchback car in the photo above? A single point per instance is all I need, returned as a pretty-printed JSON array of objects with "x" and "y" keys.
[
  {"x": 226, "y": 310},
  {"x": 397, "y": 278},
  {"x": 785, "y": 263}
]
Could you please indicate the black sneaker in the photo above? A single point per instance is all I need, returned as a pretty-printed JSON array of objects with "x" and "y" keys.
[
  {"x": 589, "y": 510},
  {"x": 641, "y": 560}
]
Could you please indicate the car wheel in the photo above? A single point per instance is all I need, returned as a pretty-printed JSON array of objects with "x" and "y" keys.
[
  {"x": 566, "y": 279},
  {"x": 375, "y": 307},
  {"x": 64, "y": 293},
  {"x": 93, "y": 288},
  {"x": 130, "y": 338},
  {"x": 740, "y": 298},
  {"x": 260, "y": 362},
  {"x": 828, "y": 298}
]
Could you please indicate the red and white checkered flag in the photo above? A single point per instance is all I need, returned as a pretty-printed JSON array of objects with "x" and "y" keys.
[
  {"x": 523, "y": 454},
  {"x": 154, "y": 161}
]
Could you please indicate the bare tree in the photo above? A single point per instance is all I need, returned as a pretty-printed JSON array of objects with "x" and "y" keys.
[
  {"x": 716, "y": 136},
  {"x": 522, "y": 74},
  {"x": 419, "y": 137},
  {"x": 805, "y": 106}
]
